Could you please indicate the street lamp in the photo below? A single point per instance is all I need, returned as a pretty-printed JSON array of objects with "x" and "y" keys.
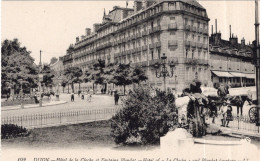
[
  {"x": 40, "y": 87},
  {"x": 164, "y": 72}
]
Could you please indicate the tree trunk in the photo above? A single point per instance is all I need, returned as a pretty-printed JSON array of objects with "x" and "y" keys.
[
  {"x": 124, "y": 89},
  {"x": 105, "y": 91},
  {"x": 68, "y": 88},
  {"x": 72, "y": 87},
  {"x": 63, "y": 89},
  {"x": 93, "y": 87},
  {"x": 79, "y": 85}
]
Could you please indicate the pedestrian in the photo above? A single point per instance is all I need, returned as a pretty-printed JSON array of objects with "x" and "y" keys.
[
  {"x": 82, "y": 96},
  {"x": 229, "y": 115},
  {"x": 116, "y": 96},
  {"x": 89, "y": 97},
  {"x": 223, "y": 112},
  {"x": 72, "y": 97}
]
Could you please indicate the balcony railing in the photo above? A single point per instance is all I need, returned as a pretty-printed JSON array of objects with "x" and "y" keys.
[
  {"x": 192, "y": 61},
  {"x": 138, "y": 35},
  {"x": 154, "y": 61},
  {"x": 172, "y": 26},
  {"x": 194, "y": 29},
  {"x": 144, "y": 33},
  {"x": 139, "y": 49},
  {"x": 199, "y": 45},
  {"x": 205, "y": 31},
  {"x": 144, "y": 47},
  {"x": 187, "y": 27},
  {"x": 193, "y": 44},
  {"x": 187, "y": 43},
  {"x": 205, "y": 46},
  {"x": 155, "y": 29},
  {"x": 200, "y": 30},
  {"x": 158, "y": 44},
  {"x": 151, "y": 46},
  {"x": 172, "y": 43}
]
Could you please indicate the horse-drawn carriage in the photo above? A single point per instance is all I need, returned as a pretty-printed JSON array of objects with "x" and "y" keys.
[{"x": 238, "y": 100}]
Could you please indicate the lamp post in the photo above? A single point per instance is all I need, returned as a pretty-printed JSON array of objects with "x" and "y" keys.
[
  {"x": 40, "y": 87},
  {"x": 164, "y": 72}
]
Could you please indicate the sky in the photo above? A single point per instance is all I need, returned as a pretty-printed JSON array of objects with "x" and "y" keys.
[{"x": 51, "y": 26}]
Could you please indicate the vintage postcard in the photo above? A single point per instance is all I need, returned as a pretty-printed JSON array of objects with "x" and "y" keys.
[{"x": 139, "y": 80}]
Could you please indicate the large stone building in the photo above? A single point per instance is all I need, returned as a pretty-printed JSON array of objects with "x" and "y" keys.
[
  {"x": 143, "y": 34},
  {"x": 231, "y": 61}
]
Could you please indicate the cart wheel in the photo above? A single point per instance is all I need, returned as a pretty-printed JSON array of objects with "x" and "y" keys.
[{"x": 253, "y": 114}]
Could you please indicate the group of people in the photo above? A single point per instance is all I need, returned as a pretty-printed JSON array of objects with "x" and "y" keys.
[{"x": 82, "y": 96}]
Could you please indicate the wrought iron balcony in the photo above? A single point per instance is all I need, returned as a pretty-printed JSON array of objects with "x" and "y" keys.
[
  {"x": 172, "y": 26},
  {"x": 172, "y": 43}
]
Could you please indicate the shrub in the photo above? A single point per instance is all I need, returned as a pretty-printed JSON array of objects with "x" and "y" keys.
[
  {"x": 144, "y": 118},
  {"x": 12, "y": 131}
]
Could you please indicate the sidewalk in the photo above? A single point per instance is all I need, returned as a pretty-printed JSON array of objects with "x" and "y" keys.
[
  {"x": 241, "y": 129},
  {"x": 16, "y": 107}
]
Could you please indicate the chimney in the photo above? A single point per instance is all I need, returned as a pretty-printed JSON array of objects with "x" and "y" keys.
[
  {"x": 216, "y": 25},
  {"x": 243, "y": 42},
  {"x": 230, "y": 31},
  {"x": 137, "y": 5},
  {"x": 77, "y": 39},
  {"x": 144, "y": 4},
  {"x": 211, "y": 29},
  {"x": 96, "y": 27},
  {"x": 88, "y": 31},
  {"x": 233, "y": 40}
]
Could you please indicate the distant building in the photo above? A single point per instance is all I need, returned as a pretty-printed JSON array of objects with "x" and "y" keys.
[
  {"x": 231, "y": 62},
  {"x": 141, "y": 35},
  {"x": 58, "y": 68}
]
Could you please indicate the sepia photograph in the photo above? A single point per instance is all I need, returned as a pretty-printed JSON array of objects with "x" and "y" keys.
[{"x": 130, "y": 80}]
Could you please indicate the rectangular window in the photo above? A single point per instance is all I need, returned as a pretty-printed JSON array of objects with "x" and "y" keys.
[
  {"x": 172, "y": 18},
  {"x": 187, "y": 73},
  {"x": 152, "y": 54}
]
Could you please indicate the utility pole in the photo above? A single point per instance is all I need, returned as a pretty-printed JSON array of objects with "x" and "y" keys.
[
  {"x": 257, "y": 53},
  {"x": 40, "y": 78}
]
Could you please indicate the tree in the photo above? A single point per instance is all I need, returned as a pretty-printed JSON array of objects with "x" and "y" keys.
[
  {"x": 138, "y": 75},
  {"x": 122, "y": 75},
  {"x": 97, "y": 73},
  {"x": 18, "y": 68},
  {"x": 73, "y": 74},
  {"x": 53, "y": 60},
  {"x": 144, "y": 118},
  {"x": 48, "y": 76}
]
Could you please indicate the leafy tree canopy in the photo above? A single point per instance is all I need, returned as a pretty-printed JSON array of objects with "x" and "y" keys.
[{"x": 18, "y": 66}]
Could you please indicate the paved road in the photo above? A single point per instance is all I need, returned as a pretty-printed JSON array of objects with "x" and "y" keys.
[
  {"x": 97, "y": 102},
  {"x": 100, "y": 102}
]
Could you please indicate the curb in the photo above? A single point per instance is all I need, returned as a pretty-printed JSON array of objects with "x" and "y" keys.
[
  {"x": 34, "y": 106},
  {"x": 239, "y": 133}
]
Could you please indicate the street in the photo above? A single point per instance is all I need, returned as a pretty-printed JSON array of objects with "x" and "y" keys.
[{"x": 97, "y": 102}]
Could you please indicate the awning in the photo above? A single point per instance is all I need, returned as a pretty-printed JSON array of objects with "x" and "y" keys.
[
  {"x": 237, "y": 74},
  {"x": 250, "y": 76},
  {"x": 222, "y": 74}
]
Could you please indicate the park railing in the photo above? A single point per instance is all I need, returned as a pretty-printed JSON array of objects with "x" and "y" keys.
[
  {"x": 240, "y": 123},
  {"x": 59, "y": 118}
]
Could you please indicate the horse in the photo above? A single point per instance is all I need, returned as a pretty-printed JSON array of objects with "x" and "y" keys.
[{"x": 239, "y": 101}]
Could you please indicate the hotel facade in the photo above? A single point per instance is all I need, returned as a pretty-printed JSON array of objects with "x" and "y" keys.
[
  {"x": 142, "y": 34},
  {"x": 178, "y": 29}
]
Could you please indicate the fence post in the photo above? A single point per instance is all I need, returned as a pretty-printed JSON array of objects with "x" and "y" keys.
[
  {"x": 95, "y": 114},
  {"x": 238, "y": 122},
  {"x": 60, "y": 117},
  {"x": 41, "y": 120},
  {"x": 22, "y": 120}
]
